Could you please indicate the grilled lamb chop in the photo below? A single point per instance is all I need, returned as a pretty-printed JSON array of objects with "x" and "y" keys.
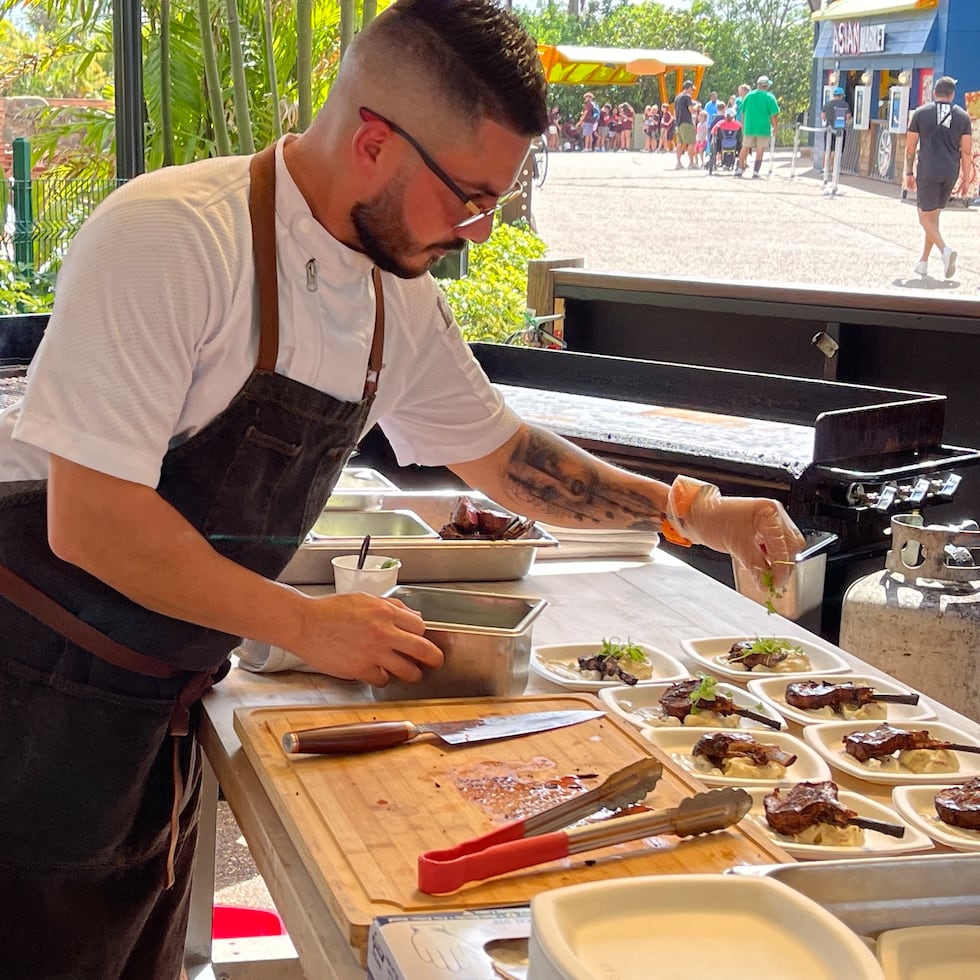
[
  {"x": 812, "y": 695},
  {"x": 806, "y": 804},
  {"x": 741, "y": 653},
  {"x": 959, "y": 806},
  {"x": 469, "y": 522},
  {"x": 886, "y": 740},
  {"x": 676, "y": 702},
  {"x": 718, "y": 746},
  {"x": 609, "y": 668}
]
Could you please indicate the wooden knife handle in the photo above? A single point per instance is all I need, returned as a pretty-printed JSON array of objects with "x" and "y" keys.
[{"x": 361, "y": 736}]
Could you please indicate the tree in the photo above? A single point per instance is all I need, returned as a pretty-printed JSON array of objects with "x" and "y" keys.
[
  {"x": 219, "y": 78},
  {"x": 744, "y": 38}
]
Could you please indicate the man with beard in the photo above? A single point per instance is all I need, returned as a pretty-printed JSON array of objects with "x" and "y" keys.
[{"x": 223, "y": 335}]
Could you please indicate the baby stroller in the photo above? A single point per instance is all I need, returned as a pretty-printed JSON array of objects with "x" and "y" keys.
[{"x": 726, "y": 144}]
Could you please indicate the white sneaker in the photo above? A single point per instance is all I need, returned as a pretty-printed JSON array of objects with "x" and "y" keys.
[
  {"x": 922, "y": 268},
  {"x": 949, "y": 262}
]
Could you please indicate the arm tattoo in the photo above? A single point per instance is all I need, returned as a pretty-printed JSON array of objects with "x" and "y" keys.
[
  {"x": 909, "y": 161},
  {"x": 575, "y": 489}
]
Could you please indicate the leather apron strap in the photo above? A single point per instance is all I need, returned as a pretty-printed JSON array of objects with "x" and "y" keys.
[{"x": 43, "y": 608}]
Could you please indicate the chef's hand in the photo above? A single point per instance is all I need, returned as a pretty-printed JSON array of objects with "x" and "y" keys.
[
  {"x": 364, "y": 638},
  {"x": 755, "y": 531}
]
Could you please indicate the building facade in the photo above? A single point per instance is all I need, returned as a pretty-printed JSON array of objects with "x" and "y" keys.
[{"x": 886, "y": 54}]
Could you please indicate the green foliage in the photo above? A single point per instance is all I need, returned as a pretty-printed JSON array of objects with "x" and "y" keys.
[
  {"x": 23, "y": 290},
  {"x": 490, "y": 301}
]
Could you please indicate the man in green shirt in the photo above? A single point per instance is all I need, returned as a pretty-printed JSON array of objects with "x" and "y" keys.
[{"x": 759, "y": 112}]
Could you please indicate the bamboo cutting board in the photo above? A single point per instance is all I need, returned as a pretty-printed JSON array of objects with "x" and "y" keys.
[{"x": 361, "y": 821}]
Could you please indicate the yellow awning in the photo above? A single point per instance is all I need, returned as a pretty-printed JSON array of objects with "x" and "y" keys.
[
  {"x": 566, "y": 64},
  {"x": 851, "y": 9}
]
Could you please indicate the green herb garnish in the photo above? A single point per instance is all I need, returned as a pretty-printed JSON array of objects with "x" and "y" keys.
[
  {"x": 769, "y": 584},
  {"x": 390, "y": 563},
  {"x": 705, "y": 691},
  {"x": 766, "y": 647},
  {"x": 622, "y": 651}
]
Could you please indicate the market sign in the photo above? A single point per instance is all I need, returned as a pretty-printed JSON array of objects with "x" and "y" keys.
[{"x": 853, "y": 37}]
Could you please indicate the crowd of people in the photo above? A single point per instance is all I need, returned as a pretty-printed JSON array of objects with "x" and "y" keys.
[{"x": 685, "y": 127}]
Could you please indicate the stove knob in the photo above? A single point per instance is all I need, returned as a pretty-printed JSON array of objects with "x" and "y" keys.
[{"x": 886, "y": 498}]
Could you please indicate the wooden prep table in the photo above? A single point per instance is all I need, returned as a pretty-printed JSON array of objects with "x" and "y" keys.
[{"x": 661, "y": 601}]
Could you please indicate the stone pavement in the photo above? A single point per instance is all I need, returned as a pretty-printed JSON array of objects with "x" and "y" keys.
[{"x": 634, "y": 212}]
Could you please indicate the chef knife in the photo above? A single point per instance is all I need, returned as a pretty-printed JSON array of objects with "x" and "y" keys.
[{"x": 366, "y": 736}]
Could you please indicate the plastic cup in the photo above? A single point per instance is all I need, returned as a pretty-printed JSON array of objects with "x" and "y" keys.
[{"x": 372, "y": 579}]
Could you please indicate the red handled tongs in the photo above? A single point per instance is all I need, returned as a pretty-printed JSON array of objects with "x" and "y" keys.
[
  {"x": 538, "y": 839},
  {"x": 527, "y": 842}
]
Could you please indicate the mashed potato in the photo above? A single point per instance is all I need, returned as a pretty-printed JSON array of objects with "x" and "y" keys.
[{"x": 915, "y": 760}]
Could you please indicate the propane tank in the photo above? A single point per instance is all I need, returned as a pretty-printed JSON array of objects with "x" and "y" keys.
[{"x": 919, "y": 619}]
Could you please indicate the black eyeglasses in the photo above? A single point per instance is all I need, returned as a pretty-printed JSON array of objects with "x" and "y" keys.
[{"x": 476, "y": 212}]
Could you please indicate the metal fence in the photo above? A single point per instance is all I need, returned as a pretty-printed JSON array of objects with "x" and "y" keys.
[{"x": 41, "y": 215}]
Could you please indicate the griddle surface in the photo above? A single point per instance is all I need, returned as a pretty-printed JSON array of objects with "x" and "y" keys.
[{"x": 780, "y": 446}]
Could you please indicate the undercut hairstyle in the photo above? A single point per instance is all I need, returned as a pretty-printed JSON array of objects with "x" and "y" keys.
[
  {"x": 476, "y": 56},
  {"x": 944, "y": 86}
]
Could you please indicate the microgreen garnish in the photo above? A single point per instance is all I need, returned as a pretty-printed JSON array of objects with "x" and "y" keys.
[
  {"x": 772, "y": 594},
  {"x": 622, "y": 651},
  {"x": 705, "y": 691},
  {"x": 766, "y": 647}
]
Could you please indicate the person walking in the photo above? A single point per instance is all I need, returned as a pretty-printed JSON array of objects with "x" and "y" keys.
[
  {"x": 685, "y": 124},
  {"x": 223, "y": 335},
  {"x": 943, "y": 134},
  {"x": 759, "y": 112}
]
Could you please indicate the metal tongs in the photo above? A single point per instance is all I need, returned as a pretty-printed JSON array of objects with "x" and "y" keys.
[{"x": 539, "y": 839}]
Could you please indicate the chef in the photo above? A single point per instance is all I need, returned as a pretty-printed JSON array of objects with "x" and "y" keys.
[{"x": 223, "y": 335}]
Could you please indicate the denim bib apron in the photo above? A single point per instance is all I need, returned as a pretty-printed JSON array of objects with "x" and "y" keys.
[{"x": 99, "y": 767}]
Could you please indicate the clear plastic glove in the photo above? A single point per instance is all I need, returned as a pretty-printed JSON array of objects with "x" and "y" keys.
[{"x": 755, "y": 531}]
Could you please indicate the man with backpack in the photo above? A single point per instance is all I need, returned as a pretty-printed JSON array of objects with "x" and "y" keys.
[{"x": 588, "y": 121}]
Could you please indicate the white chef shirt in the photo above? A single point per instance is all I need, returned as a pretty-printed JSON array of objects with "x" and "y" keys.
[{"x": 154, "y": 333}]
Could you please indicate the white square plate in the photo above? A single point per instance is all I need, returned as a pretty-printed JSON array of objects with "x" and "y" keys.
[
  {"x": 558, "y": 662},
  {"x": 875, "y": 844},
  {"x": 915, "y": 803},
  {"x": 640, "y": 706},
  {"x": 772, "y": 690},
  {"x": 710, "y": 652},
  {"x": 678, "y": 742},
  {"x": 675, "y": 927},
  {"x": 826, "y": 739},
  {"x": 930, "y": 953}
]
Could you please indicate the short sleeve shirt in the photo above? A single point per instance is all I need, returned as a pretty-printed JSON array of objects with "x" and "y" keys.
[
  {"x": 941, "y": 127},
  {"x": 757, "y": 109},
  {"x": 830, "y": 110},
  {"x": 682, "y": 109},
  {"x": 139, "y": 358}
]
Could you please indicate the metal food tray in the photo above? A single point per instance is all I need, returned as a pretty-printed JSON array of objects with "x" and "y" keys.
[
  {"x": 359, "y": 488},
  {"x": 873, "y": 895},
  {"x": 424, "y": 559}
]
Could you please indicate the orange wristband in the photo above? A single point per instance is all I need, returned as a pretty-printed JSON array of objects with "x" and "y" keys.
[{"x": 679, "y": 499}]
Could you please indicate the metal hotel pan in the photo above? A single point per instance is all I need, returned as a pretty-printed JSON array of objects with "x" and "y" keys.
[
  {"x": 426, "y": 558},
  {"x": 873, "y": 895},
  {"x": 485, "y": 638},
  {"x": 359, "y": 488}
]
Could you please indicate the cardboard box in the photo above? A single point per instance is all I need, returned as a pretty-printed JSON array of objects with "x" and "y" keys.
[{"x": 437, "y": 946}]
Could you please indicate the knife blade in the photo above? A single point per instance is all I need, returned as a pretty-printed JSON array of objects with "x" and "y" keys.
[{"x": 366, "y": 736}]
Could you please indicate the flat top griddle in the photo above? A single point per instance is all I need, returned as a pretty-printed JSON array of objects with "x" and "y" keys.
[{"x": 776, "y": 449}]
